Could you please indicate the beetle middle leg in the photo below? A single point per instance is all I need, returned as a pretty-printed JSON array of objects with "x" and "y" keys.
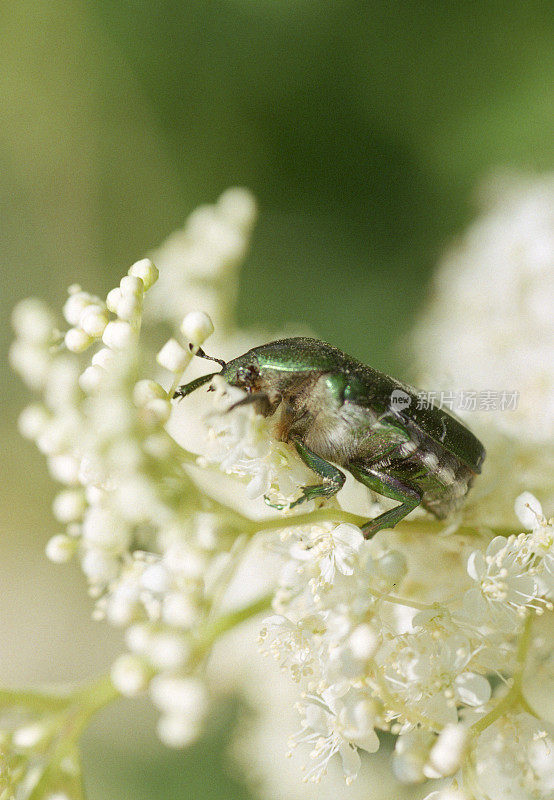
[
  {"x": 379, "y": 481},
  {"x": 333, "y": 478}
]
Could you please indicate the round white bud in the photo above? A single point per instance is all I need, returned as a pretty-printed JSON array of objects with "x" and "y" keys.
[
  {"x": 91, "y": 378},
  {"x": 238, "y": 206},
  {"x": 131, "y": 286},
  {"x": 103, "y": 358},
  {"x": 118, "y": 335},
  {"x": 113, "y": 299},
  {"x": 76, "y": 340},
  {"x": 177, "y": 731},
  {"x": 146, "y": 390},
  {"x": 69, "y": 505},
  {"x": 363, "y": 642},
  {"x": 448, "y": 751},
  {"x": 155, "y": 579},
  {"x": 33, "y": 321},
  {"x": 93, "y": 320},
  {"x": 167, "y": 651},
  {"x": 129, "y": 675},
  {"x": 129, "y": 307},
  {"x": 75, "y": 305},
  {"x": 29, "y": 735},
  {"x": 196, "y": 327},
  {"x": 102, "y": 528},
  {"x": 32, "y": 362},
  {"x": 137, "y": 637},
  {"x": 159, "y": 410},
  {"x": 184, "y": 696},
  {"x": 394, "y": 565},
  {"x": 528, "y": 508},
  {"x": 98, "y": 566},
  {"x": 173, "y": 357},
  {"x": 145, "y": 270},
  {"x": 33, "y": 420},
  {"x": 64, "y": 468},
  {"x": 60, "y": 548},
  {"x": 178, "y": 610}
]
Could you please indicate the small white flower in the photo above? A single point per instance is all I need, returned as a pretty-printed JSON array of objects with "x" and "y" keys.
[
  {"x": 177, "y": 731},
  {"x": 146, "y": 271},
  {"x": 76, "y": 340},
  {"x": 93, "y": 320},
  {"x": 447, "y": 753},
  {"x": 506, "y": 582},
  {"x": 33, "y": 421},
  {"x": 196, "y": 327},
  {"x": 117, "y": 335},
  {"x": 341, "y": 725},
  {"x": 29, "y": 736},
  {"x": 528, "y": 510},
  {"x": 129, "y": 675},
  {"x": 179, "y": 696},
  {"x": 33, "y": 321},
  {"x": 60, "y": 549},
  {"x": 173, "y": 357}
]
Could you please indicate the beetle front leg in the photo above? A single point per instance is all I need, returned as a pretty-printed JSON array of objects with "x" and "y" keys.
[
  {"x": 333, "y": 478},
  {"x": 388, "y": 486},
  {"x": 261, "y": 400}
]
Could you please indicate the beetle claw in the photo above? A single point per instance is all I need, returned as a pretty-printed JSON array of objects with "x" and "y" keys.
[{"x": 277, "y": 506}]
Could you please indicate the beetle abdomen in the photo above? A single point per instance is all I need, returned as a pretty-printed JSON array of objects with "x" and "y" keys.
[{"x": 443, "y": 480}]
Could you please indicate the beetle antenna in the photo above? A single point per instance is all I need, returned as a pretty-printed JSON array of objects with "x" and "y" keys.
[{"x": 202, "y": 354}]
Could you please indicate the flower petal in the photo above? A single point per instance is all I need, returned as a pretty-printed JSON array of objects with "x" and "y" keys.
[{"x": 472, "y": 689}]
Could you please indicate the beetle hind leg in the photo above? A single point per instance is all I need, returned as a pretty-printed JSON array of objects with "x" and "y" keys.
[
  {"x": 333, "y": 478},
  {"x": 388, "y": 486}
]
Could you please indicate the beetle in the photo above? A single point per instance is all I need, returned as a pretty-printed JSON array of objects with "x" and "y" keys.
[{"x": 338, "y": 412}]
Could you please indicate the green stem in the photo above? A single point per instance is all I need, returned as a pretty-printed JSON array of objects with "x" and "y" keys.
[
  {"x": 401, "y": 601},
  {"x": 513, "y": 697},
  {"x": 81, "y": 705},
  {"x": 35, "y": 701},
  {"x": 310, "y": 518},
  {"x": 225, "y": 622}
]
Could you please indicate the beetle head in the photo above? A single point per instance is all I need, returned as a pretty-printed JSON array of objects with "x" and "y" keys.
[{"x": 243, "y": 372}]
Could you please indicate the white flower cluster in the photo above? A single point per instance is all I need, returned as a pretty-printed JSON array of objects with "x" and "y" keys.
[
  {"x": 198, "y": 264},
  {"x": 152, "y": 547},
  {"x": 490, "y": 327},
  {"x": 420, "y": 673},
  {"x": 416, "y": 633}
]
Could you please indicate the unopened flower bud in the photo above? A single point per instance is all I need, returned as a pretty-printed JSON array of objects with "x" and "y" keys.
[
  {"x": 76, "y": 340},
  {"x": 146, "y": 271},
  {"x": 448, "y": 752},
  {"x": 33, "y": 321},
  {"x": 118, "y": 335},
  {"x": 196, "y": 327},
  {"x": 146, "y": 390},
  {"x": 238, "y": 206},
  {"x": 103, "y": 358},
  {"x": 173, "y": 357},
  {"x": 93, "y": 320},
  {"x": 131, "y": 286},
  {"x": 33, "y": 420},
  {"x": 129, "y": 675},
  {"x": 113, "y": 299},
  {"x": 69, "y": 505},
  {"x": 75, "y": 305},
  {"x": 60, "y": 548},
  {"x": 90, "y": 379}
]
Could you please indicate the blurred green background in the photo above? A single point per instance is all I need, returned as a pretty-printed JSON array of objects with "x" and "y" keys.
[{"x": 362, "y": 127}]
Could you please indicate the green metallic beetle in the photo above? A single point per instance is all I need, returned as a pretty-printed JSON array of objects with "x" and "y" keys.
[{"x": 333, "y": 408}]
